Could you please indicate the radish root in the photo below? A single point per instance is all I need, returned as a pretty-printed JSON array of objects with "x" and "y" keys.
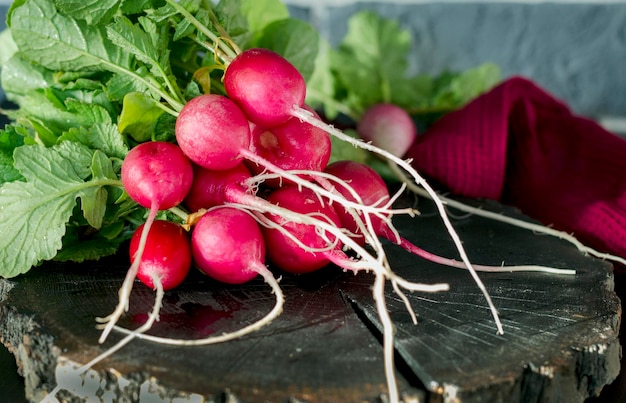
[
  {"x": 306, "y": 116},
  {"x": 274, "y": 313},
  {"x": 108, "y": 322}
]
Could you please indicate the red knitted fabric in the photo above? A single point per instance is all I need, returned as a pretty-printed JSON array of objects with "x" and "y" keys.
[{"x": 521, "y": 146}]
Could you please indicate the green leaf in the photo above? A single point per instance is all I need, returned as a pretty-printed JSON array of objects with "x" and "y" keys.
[
  {"x": 230, "y": 17},
  {"x": 101, "y": 136},
  {"x": 456, "y": 89},
  {"x": 8, "y": 48},
  {"x": 123, "y": 33},
  {"x": 342, "y": 150},
  {"x": 92, "y": 11},
  {"x": 19, "y": 77},
  {"x": 136, "y": 6},
  {"x": 93, "y": 203},
  {"x": 371, "y": 61},
  {"x": 121, "y": 84},
  {"x": 33, "y": 214},
  {"x": 320, "y": 94},
  {"x": 139, "y": 117},
  {"x": 10, "y": 139},
  {"x": 261, "y": 13},
  {"x": 78, "y": 247},
  {"x": 59, "y": 42},
  {"x": 296, "y": 40},
  {"x": 50, "y": 115}
]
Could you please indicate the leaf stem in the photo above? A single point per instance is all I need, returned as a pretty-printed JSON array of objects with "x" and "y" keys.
[{"x": 228, "y": 52}]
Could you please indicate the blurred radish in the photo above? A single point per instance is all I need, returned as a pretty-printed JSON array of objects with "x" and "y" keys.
[{"x": 389, "y": 127}]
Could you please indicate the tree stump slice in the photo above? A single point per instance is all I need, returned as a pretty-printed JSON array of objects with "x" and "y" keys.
[{"x": 560, "y": 341}]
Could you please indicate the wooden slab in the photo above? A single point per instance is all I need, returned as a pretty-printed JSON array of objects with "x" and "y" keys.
[
  {"x": 559, "y": 341},
  {"x": 560, "y": 335}
]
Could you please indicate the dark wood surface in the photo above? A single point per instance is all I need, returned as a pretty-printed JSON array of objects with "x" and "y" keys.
[{"x": 560, "y": 341}]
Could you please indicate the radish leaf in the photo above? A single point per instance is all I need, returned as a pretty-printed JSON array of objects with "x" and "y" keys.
[
  {"x": 33, "y": 214},
  {"x": 62, "y": 43}
]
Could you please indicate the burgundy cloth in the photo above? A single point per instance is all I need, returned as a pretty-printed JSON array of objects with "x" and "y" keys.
[{"x": 521, "y": 146}]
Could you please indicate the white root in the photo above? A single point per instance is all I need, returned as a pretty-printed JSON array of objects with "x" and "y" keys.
[
  {"x": 124, "y": 292},
  {"x": 308, "y": 117},
  {"x": 270, "y": 316},
  {"x": 305, "y": 183},
  {"x": 538, "y": 228}
]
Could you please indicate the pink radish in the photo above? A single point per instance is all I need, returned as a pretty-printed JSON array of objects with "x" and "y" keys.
[
  {"x": 212, "y": 130},
  {"x": 157, "y": 175},
  {"x": 368, "y": 185},
  {"x": 270, "y": 91},
  {"x": 293, "y": 145},
  {"x": 227, "y": 245},
  {"x": 389, "y": 127},
  {"x": 167, "y": 254},
  {"x": 312, "y": 251},
  {"x": 164, "y": 265},
  {"x": 213, "y": 188},
  {"x": 265, "y": 85}
]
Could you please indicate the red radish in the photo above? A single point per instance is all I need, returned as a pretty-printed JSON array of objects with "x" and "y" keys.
[
  {"x": 227, "y": 245},
  {"x": 167, "y": 254},
  {"x": 157, "y": 175},
  {"x": 265, "y": 85},
  {"x": 212, "y": 130},
  {"x": 389, "y": 127},
  {"x": 293, "y": 145},
  {"x": 293, "y": 256},
  {"x": 270, "y": 90},
  {"x": 213, "y": 188}
]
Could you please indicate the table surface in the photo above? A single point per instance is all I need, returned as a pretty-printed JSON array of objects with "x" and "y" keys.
[{"x": 560, "y": 341}]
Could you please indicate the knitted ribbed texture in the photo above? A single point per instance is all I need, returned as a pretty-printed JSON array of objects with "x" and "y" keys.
[{"x": 522, "y": 146}]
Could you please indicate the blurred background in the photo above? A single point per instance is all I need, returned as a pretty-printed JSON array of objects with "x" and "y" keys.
[{"x": 573, "y": 48}]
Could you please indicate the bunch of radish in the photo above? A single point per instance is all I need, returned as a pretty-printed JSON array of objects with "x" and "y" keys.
[{"x": 261, "y": 135}]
